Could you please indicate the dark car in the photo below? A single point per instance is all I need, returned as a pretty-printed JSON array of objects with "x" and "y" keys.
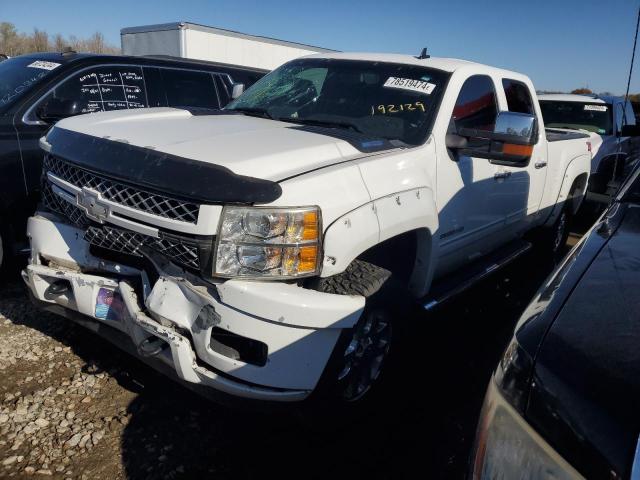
[
  {"x": 565, "y": 400},
  {"x": 38, "y": 89}
]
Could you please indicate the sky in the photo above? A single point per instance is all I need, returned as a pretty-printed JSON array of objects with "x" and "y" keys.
[{"x": 561, "y": 44}]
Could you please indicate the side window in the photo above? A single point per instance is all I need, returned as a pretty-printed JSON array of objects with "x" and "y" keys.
[
  {"x": 518, "y": 96},
  {"x": 155, "y": 89},
  {"x": 476, "y": 106},
  {"x": 101, "y": 89},
  {"x": 186, "y": 88}
]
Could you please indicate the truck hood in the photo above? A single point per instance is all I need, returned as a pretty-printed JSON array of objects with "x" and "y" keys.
[{"x": 248, "y": 146}]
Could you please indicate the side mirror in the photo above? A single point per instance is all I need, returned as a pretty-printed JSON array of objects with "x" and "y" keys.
[
  {"x": 630, "y": 131},
  {"x": 510, "y": 143},
  {"x": 56, "y": 109},
  {"x": 238, "y": 89}
]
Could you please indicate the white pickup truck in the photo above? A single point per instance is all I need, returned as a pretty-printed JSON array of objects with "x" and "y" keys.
[
  {"x": 264, "y": 250},
  {"x": 609, "y": 120}
]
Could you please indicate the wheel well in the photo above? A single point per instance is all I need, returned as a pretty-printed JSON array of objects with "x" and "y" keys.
[{"x": 402, "y": 255}]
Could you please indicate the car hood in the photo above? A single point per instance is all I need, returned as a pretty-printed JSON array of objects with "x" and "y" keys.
[
  {"x": 248, "y": 146},
  {"x": 586, "y": 388}
]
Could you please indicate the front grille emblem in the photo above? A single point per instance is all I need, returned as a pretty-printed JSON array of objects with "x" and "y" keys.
[{"x": 91, "y": 202}]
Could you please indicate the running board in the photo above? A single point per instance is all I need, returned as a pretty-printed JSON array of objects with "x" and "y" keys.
[{"x": 456, "y": 283}]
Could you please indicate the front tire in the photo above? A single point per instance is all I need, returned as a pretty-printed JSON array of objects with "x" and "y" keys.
[{"x": 361, "y": 359}]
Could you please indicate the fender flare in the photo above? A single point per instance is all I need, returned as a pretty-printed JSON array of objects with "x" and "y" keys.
[
  {"x": 381, "y": 220},
  {"x": 580, "y": 165}
]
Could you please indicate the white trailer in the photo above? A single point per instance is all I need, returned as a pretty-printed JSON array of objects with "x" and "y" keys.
[{"x": 189, "y": 40}]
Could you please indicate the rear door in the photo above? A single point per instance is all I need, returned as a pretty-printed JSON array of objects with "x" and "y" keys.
[{"x": 522, "y": 186}]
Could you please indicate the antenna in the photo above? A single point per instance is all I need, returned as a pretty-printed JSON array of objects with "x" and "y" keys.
[{"x": 423, "y": 54}]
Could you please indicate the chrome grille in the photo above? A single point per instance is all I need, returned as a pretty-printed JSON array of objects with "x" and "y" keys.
[
  {"x": 56, "y": 204},
  {"x": 132, "y": 197},
  {"x": 130, "y": 242},
  {"x": 180, "y": 251}
]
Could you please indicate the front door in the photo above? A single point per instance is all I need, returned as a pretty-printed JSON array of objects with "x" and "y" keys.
[{"x": 470, "y": 222}]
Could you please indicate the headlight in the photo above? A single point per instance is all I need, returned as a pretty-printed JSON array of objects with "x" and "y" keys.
[
  {"x": 508, "y": 447},
  {"x": 265, "y": 242}
]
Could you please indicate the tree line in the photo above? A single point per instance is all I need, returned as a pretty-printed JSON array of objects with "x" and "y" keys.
[
  {"x": 14, "y": 43},
  {"x": 634, "y": 97}
]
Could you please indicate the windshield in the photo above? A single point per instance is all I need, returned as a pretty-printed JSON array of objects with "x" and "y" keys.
[
  {"x": 384, "y": 100},
  {"x": 594, "y": 117},
  {"x": 18, "y": 75}
]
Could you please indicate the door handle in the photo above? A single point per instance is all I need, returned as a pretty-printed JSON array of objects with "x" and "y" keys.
[
  {"x": 500, "y": 175},
  {"x": 541, "y": 164}
]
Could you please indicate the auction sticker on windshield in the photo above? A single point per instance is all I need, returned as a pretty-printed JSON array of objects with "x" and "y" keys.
[
  {"x": 410, "y": 84},
  {"x": 44, "y": 65},
  {"x": 596, "y": 108}
]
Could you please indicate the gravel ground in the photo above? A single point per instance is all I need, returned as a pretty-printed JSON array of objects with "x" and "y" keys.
[{"x": 73, "y": 406}]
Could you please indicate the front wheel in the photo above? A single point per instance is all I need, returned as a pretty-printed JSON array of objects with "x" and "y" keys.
[{"x": 363, "y": 356}]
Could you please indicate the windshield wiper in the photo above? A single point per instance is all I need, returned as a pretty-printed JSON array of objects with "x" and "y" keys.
[
  {"x": 323, "y": 123},
  {"x": 253, "y": 111}
]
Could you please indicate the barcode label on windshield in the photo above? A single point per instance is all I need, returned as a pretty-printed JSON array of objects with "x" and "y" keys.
[
  {"x": 44, "y": 65},
  {"x": 596, "y": 108},
  {"x": 410, "y": 84}
]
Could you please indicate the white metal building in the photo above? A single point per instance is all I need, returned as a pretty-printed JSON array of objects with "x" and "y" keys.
[{"x": 190, "y": 40}]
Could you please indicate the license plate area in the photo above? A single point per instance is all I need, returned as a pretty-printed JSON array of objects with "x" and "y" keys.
[{"x": 109, "y": 305}]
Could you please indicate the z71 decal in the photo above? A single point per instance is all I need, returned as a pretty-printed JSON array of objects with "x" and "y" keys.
[{"x": 409, "y": 84}]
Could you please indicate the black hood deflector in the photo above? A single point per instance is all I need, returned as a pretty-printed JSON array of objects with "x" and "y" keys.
[{"x": 162, "y": 172}]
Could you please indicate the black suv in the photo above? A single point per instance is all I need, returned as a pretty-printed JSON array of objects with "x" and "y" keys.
[
  {"x": 39, "y": 89},
  {"x": 564, "y": 401}
]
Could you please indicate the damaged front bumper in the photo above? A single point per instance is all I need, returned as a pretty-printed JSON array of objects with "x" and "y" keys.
[{"x": 258, "y": 340}]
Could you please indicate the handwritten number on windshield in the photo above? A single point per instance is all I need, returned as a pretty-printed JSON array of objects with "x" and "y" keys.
[{"x": 393, "y": 108}]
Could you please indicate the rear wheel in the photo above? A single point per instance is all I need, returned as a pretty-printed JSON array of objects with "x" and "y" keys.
[{"x": 554, "y": 239}]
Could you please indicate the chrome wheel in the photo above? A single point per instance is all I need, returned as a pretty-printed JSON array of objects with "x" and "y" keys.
[
  {"x": 365, "y": 355},
  {"x": 560, "y": 230}
]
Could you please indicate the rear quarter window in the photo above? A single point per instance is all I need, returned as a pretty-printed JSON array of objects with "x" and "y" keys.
[{"x": 518, "y": 96}]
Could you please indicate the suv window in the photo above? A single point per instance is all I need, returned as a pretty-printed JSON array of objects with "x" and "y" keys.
[
  {"x": 103, "y": 88},
  {"x": 518, "y": 96},
  {"x": 186, "y": 88},
  {"x": 476, "y": 106}
]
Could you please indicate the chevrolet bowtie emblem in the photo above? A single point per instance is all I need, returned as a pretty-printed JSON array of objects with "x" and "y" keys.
[{"x": 90, "y": 201}]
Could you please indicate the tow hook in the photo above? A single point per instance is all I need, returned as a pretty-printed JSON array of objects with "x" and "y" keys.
[
  {"x": 57, "y": 289},
  {"x": 151, "y": 346}
]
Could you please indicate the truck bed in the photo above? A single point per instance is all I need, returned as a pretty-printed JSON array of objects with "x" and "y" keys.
[{"x": 557, "y": 134}]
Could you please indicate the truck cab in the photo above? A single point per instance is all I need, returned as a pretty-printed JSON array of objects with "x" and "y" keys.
[{"x": 267, "y": 250}]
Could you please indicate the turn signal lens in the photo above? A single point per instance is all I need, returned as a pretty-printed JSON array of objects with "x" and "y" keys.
[{"x": 520, "y": 150}]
